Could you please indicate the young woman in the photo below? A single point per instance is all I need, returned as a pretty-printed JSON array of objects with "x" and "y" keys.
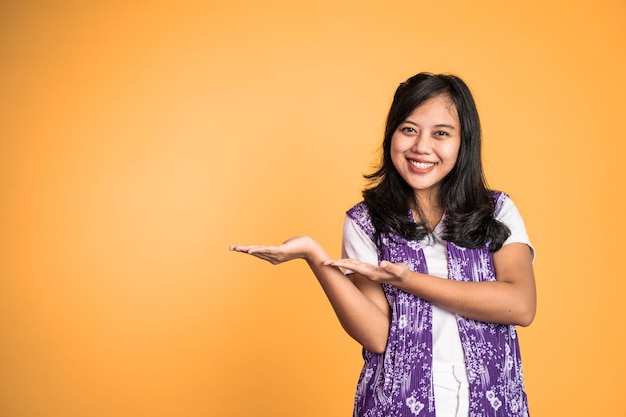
[{"x": 437, "y": 268}]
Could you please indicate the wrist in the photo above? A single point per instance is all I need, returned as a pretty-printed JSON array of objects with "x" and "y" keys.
[{"x": 314, "y": 253}]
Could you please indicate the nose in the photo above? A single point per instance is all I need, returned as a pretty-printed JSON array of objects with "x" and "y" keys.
[{"x": 423, "y": 144}]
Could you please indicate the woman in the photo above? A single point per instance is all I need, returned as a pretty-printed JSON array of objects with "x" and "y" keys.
[{"x": 432, "y": 346}]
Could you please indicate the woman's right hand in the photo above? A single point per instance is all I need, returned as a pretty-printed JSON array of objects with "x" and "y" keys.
[{"x": 297, "y": 247}]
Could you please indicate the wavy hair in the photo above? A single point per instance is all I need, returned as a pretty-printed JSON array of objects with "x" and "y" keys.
[{"x": 469, "y": 207}]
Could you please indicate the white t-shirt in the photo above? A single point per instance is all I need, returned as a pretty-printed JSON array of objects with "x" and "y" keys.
[{"x": 447, "y": 348}]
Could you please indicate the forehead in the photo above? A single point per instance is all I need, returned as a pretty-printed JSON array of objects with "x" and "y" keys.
[{"x": 439, "y": 107}]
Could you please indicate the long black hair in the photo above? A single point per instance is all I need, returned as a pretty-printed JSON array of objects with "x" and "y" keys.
[{"x": 468, "y": 203}]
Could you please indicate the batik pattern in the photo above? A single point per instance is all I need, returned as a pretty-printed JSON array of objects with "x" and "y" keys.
[{"x": 398, "y": 383}]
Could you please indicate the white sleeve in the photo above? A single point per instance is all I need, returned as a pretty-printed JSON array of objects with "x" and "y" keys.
[
  {"x": 357, "y": 245},
  {"x": 511, "y": 217}
]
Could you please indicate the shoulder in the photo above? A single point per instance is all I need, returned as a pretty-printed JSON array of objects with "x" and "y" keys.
[
  {"x": 504, "y": 206},
  {"x": 360, "y": 215},
  {"x": 507, "y": 213},
  {"x": 359, "y": 209},
  {"x": 500, "y": 199}
]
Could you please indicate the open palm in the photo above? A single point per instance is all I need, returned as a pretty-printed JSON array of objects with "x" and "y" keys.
[
  {"x": 297, "y": 247},
  {"x": 384, "y": 272}
]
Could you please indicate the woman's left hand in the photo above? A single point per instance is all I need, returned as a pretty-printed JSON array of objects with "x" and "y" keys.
[{"x": 385, "y": 272}]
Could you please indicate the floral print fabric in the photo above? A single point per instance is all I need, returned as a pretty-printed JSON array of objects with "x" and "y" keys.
[{"x": 398, "y": 383}]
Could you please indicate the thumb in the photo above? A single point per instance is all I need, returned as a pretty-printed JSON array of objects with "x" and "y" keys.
[{"x": 393, "y": 269}]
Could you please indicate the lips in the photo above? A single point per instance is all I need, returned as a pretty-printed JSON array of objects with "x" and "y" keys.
[{"x": 421, "y": 165}]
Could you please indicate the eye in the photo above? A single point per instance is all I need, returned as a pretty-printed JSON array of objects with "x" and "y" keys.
[
  {"x": 408, "y": 129},
  {"x": 441, "y": 133}
]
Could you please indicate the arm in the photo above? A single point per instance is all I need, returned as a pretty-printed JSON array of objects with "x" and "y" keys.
[
  {"x": 355, "y": 300},
  {"x": 511, "y": 299}
]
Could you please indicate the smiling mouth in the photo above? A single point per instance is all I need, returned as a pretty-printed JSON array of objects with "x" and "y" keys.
[{"x": 422, "y": 165}]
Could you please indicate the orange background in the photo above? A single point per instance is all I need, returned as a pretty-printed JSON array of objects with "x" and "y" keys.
[{"x": 139, "y": 139}]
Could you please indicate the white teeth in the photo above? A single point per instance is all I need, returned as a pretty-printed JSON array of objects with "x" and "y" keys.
[{"x": 422, "y": 165}]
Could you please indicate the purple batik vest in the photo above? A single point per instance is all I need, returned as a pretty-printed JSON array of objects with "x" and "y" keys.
[{"x": 398, "y": 383}]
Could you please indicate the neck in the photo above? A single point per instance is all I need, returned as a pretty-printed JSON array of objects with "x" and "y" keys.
[
  {"x": 427, "y": 200},
  {"x": 428, "y": 209}
]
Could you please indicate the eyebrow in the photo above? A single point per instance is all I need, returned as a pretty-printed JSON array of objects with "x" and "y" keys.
[{"x": 438, "y": 125}]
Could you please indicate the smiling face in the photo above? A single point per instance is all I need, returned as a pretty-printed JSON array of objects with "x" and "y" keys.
[{"x": 425, "y": 146}]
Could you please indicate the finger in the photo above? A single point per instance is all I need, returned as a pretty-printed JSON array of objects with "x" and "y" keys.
[
  {"x": 251, "y": 249},
  {"x": 355, "y": 261},
  {"x": 262, "y": 249},
  {"x": 393, "y": 269},
  {"x": 263, "y": 255},
  {"x": 386, "y": 265},
  {"x": 243, "y": 248},
  {"x": 343, "y": 262},
  {"x": 367, "y": 270}
]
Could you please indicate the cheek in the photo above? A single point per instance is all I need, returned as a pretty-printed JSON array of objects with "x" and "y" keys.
[
  {"x": 452, "y": 153},
  {"x": 397, "y": 151},
  {"x": 398, "y": 145},
  {"x": 397, "y": 157}
]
